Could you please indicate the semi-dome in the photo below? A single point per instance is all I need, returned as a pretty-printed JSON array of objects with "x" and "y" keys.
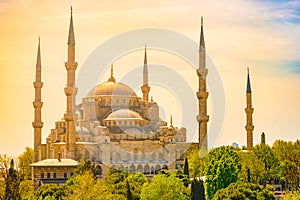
[
  {"x": 124, "y": 114},
  {"x": 110, "y": 88}
]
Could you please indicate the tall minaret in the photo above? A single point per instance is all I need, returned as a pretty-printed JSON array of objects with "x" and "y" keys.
[
  {"x": 249, "y": 111},
  {"x": 145, "y": 88},
  {"x": 202, "y": 94},
  {"x": 38, "y": 104},
  {"x": 71, "y": 91}
]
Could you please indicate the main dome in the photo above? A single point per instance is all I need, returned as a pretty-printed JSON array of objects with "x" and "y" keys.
[{"x": 110, "y": 88}]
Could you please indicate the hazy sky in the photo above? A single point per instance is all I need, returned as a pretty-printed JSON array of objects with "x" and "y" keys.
[{"x": 263, "y": 35}]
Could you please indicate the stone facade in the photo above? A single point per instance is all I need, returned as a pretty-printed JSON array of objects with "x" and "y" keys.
[{"x": 112, "y": 127}]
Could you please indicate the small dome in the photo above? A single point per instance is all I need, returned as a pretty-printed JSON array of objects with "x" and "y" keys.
[
  {"x": 124, "y": 114},
  {"x": 110, "y": 88},
  {"x": 82, "y": 130}
]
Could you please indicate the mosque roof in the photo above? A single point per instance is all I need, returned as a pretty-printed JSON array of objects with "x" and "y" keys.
[
  {"x": 55, "y": 162},
  {"x": 110, "y": 88},
  {"x": 124, "y": 114}
]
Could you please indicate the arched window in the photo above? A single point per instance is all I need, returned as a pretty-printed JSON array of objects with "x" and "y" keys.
[
  {"x": 140, "y": 168},
  {"x": 132, "y": 168},
  {"x": 157, "y": 169},
  {"x": 146, "y": 169}
]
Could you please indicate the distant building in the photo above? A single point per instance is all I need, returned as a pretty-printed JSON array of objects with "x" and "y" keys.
[
  {"x": 112, "y": 126},
  {"x": 235, "y": 145}
]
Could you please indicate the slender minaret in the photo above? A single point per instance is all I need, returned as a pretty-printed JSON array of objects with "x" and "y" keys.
[
  {"x": 249, "y": 111},
  {"x": 145, "y": 88},
  {"x": 263, "y": 138},
  {"x": 71, "y": 91},
  {"x": 202, "y": 94},
  {"x": 38, "y": 104}
]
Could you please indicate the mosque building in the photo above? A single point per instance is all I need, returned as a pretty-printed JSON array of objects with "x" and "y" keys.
[{"x": 112, "y": 126}]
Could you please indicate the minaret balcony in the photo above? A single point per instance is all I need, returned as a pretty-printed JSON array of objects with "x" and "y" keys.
[
  {"x": 69, "y": 91},
  {"x": 38, "y": 85},
  {"x": 249, "y": 110},
  {"x": 71, "y": 65},
  {"x": 202, "y": 72},
  {"x": 249, "y": 128},
  {"x": 37, "y": 124},
  {"x": 201, "y": 118},
  {"x": 37, "y": 104},
  {"x": 202, "y": 95}
]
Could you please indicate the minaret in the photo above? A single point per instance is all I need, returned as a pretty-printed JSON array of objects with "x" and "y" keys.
[
  {"x": 202, "y": 94},
  {"x": 249, "y": 111},
  {"x": 263, "y": 138},
  {"x": 71, "y": 91},
  {"x": 38, "y": 104},
  {"x": 145, "y": 88}
]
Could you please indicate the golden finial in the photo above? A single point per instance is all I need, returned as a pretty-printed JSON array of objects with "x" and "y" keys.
[
  {"x": 151, "y": 98},
  {"x": 111, "y": 78},
  {"x": 71, "y": 10},
  {"x": 171, "y": 121}
]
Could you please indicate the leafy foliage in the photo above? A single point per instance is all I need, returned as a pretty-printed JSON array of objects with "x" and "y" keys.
[
  {"x": 12, "y": 183},
  {"x": 25, "y": 159},
  {"x": 241, "y": 190},
  {"x": 288, "y": 154},
  {"x": 196, "y": 163},
  {"x": 269, "y": 160},
  {"x": 47, "y": 191},
  {"x": 165, "y": 187},
  {"x": 223, "y": 168}
]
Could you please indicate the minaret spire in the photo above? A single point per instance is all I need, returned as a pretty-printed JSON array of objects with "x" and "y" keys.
[
  {"x": 249, "y": 112},
  {"x": 71, "y": 37},
  {"x": 71, "y": 91},
  {"x": 202, "y": 93},
  {"x": 111, "y": 78},
  {"x": 145, "y": 88},
  {"x": 38, "y": 104}
]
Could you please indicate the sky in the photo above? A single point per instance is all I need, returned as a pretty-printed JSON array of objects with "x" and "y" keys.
[{"x": 260, "y": 34}]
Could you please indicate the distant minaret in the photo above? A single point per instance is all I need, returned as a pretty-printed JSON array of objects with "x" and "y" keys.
[
  {"x": 38, "y": 104},
  {"x": 145, "y": 88},
  {"x": 263, "y": 138},
  {"x": 71, "y": 91},
  {"x": 202, "y": 94},
  {"x": 249, "y": 111}
]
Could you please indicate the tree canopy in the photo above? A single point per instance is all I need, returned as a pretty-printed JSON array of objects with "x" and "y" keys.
[{"x": 241, "y": 190}]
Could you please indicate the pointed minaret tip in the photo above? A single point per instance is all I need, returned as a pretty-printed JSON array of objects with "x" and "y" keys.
[
  {"x": 71, "y": 37},
  {"x": 202, "y": 43},
  {"x": 248, "y": 81},
  {"x": 38, "y": 58}
]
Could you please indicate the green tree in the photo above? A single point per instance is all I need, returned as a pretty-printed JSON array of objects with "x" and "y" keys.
[
  {"x": 291, "y": 196},
  {"x": 136, "y": 182},
  {"x": 165, "y": 187},
  {"x": 241, "y": 190},
  {"x": 129, "y": 194},
  {"x": 252, "y": 168},
  {"x": 288, "y": 154},
  {"x": 186, "y": 171},
  {"x": 12, "y": 183},
  {"x": 25, "y": 159},
  {"x": 197, "y": 190},
  {"x": 82, "y": 186},
  {"x": 27, "y": 189},
  {"x": 50, "y": 191},
  {"x": 265, "y": 154},
  {"x": 86, "y": 165},
  {"x": 223, "y": 168},
  {"x": 2, "y": 189},
  {"x": 196, "y": 163}
]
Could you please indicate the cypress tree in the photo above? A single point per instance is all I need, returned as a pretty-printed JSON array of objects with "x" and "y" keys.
[
  {"x": 186, "y": 172},
  {"x": 12, "y": 183},
  {"x": 128, "y": 193}
]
